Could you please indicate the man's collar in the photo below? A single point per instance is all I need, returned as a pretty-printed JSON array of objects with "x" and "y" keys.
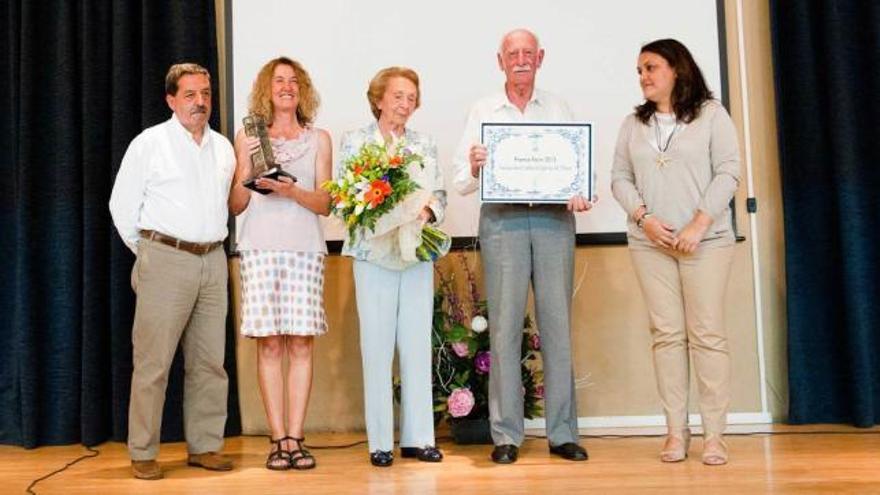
[
  {"x": 502, "y": 100},
  {"x": 176, "y": 124}
]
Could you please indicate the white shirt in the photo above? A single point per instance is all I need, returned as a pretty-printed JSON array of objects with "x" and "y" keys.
[
  {"x": 668, "y": 127},
  {"x": 169, "y": 183},
  {"x": 542, "y": 107}
]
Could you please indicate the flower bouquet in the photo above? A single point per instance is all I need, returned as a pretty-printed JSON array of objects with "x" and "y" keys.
[
  {"x": 461, "y": 358},
  {"x": 371, "y": 184}
]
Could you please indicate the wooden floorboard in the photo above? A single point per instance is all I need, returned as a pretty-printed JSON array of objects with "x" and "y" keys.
[{"x": 794, "y": 460}]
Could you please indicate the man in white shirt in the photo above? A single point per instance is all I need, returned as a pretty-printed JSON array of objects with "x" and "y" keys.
[
  {"x": 520, "y": 243},
  {"x": 169, "y": 204}
]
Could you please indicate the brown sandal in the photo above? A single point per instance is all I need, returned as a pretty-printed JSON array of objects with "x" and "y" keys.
[
  {"x": 300, "y": 458},
  {"x": 279, "y": 459}
]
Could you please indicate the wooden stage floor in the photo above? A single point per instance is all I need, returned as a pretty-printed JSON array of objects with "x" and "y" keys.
[{"x": 815, "y": 459}]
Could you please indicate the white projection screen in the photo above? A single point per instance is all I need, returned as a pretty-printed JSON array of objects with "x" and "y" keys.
[{"x": 591, "y": 50}]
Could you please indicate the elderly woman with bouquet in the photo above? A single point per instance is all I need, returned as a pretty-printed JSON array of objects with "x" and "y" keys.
[{"x": 389, "y": 191}]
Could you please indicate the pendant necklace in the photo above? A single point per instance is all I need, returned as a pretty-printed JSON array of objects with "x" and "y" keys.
[{"x": 662, "y": 159}]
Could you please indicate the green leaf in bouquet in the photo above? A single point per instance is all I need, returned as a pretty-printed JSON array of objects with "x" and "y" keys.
[
  {"x": 473, "y": 347},
  {"x": 458, "y": 333}
]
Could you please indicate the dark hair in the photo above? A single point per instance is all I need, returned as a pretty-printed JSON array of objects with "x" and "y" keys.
[
  {"x": 176, "y": 71},
  {"x": 690, "y": 90}
]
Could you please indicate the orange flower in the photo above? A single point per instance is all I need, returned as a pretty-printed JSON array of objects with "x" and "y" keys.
[
  {"x": 395, "y": 161},
  {"x": 379, "y": 190},
  {"x": 358, "y": 169}
]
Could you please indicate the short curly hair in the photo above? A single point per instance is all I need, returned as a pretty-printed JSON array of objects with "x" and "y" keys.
[
  {"x": 261, "y": 94},
  {"x": 380, "y": 82}
]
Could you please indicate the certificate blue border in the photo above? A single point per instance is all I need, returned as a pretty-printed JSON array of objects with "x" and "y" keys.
[{"x": 582, "y": 152}]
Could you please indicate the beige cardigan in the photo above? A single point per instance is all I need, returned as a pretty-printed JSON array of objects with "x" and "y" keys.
[{"x": 702, "y": 173}]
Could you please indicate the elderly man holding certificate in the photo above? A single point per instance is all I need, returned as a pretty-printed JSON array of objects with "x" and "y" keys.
[{"x": 527, "y": 232}]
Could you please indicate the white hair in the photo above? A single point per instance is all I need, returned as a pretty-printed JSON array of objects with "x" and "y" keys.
[{"x": 517, "y": 31}]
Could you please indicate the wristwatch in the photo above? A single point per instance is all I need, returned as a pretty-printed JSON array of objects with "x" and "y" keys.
[{"x": 641, "y": 221}]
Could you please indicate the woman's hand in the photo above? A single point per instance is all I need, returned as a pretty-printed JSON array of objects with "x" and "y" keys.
[
  {"x": 284, "y": 186},
  {"x": 426, "y": 215},
  {"x": 690, "y": 236},
  {"x": 658, "y": 232},
  {"x": 252, "y": 143}
]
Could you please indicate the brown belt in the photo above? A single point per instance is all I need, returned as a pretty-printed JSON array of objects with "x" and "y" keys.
[{"x": 198, "y": 248}]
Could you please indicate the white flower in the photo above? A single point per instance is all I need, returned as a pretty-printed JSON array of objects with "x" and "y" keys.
[
  {"x": 479, "y": 324},
  {"x": 358, "y": 209}
]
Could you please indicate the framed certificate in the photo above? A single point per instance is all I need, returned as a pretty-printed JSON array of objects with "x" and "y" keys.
[{"x": 536, "y": 162}]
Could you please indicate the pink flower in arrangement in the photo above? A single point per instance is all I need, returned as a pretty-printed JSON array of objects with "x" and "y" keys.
[
  {"x": 535, "y": 342},
  {"x": 460, "y": 402},
  {"x": 482, "y": 362},
  {"x": 539, "y": 391},
  {"x": 460, "y": 349}
]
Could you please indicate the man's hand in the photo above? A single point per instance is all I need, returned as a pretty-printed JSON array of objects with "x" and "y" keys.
[
  {"x": 477, "y": 158},
  {"x": 579, "y": 203}
]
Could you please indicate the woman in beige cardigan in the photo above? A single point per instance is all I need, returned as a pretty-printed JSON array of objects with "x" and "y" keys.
[{"x": 676, "y": 168}]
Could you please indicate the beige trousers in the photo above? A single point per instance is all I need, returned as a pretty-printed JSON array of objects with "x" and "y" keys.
[
  {"x": 685, "y": 299},
  {"x": 181, "y": 297}
]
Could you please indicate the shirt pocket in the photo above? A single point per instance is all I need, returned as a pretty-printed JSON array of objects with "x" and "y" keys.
[{"x": 163, "y": 171}]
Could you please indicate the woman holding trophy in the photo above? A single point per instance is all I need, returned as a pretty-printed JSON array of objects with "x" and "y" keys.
[
  {"x": 282, "y": 160},
  {"x": 389, "y": 191}
]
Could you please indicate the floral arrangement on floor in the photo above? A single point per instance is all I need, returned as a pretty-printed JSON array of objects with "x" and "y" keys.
[
  {"x": 374, "y": 181},
  {"x": 461, "y": 357}
]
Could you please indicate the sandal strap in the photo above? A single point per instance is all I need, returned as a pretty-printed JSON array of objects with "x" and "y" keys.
[
  {"x": 301, "y": 456},
  {"x": 278, "y": 459}
]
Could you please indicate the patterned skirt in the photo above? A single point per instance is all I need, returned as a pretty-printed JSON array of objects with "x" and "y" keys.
[{"x": 282, "y": 293}]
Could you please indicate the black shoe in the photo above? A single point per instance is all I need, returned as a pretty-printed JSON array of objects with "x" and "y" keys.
[
  {"x": 570, "y": 451},
  {"x": 427, "y": 454},
  {"x": 381, "y": 458},
  {"x": 505, "y": 454}
]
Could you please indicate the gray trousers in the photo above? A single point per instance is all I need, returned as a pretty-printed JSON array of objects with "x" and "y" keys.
[
  {"x": 519, "y": 244},
  {"x": 180, "y": 296},
  {"x": 395, "y": 309}
]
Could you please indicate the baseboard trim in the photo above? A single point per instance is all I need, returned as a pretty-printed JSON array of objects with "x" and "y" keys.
[{"x": 747, "y": 422}]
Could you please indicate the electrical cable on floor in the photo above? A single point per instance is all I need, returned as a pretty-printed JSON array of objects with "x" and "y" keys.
[{"x": 93, "y": 452}]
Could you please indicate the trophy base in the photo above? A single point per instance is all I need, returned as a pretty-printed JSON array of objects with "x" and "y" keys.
[{"x": 273, "y": 173}]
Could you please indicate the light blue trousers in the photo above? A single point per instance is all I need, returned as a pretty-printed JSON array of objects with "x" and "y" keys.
[{"x": 396, "y": 307}]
